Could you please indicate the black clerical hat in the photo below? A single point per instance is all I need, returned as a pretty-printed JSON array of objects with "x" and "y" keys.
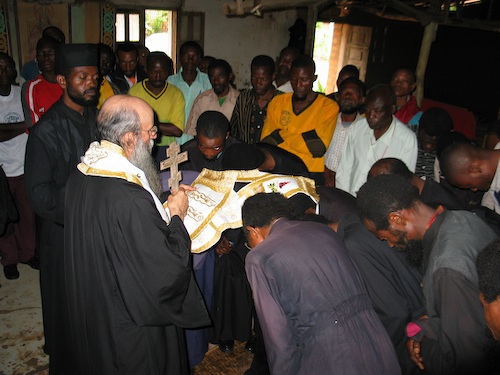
[{"x": 73, "y": 55}]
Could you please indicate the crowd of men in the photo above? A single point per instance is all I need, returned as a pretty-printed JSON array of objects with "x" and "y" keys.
[{"x": 311, "y": 287}]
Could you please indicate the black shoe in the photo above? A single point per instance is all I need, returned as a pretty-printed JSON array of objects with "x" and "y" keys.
[
  {"x": 11, "y": 272},
  {"x": 33, "y": 263},
  {"x": 250, "y": 345},
  {"x": 226, "y": 346}
]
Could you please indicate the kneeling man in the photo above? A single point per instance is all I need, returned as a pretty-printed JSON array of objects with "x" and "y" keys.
[{"x": 315, "y": 314}]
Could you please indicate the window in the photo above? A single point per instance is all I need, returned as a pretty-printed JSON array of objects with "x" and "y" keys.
[
  {"x": 153, "y": 28},
  {"x": 128, "y": 26}
]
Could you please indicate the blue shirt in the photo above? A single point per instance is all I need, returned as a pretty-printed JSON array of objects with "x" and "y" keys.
[{"x": 199, "y": 85}]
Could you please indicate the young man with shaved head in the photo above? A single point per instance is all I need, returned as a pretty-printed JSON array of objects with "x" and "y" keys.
[
  {"x": 283, "y": 65},
  {"x": 166, "y": 100},
  {"x": 222, "y": 97},
  {"x": 251, "y": 106},
  {"x": 40, "y": 93},
  {"x": 404, "y": 82},
  {"x": 128, "y": 71},
  {"x": 315, "y": 314},
  {"x": 302, "y": 122},
  {"x": 450, "y": 338},
  {"x": 17, "y": 239},
  {"x": 379, "y": 135},
  {"x": 469, "y": 167},
  {"x": 350, "y": 97}
]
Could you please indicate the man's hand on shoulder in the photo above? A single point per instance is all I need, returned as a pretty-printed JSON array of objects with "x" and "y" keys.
[{"x": 178, "y": 201}]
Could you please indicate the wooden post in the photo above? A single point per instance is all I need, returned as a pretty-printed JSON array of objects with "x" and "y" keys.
[
  {"x": 174, "y": 158},
  {"x": 312, "y": 17},
  {"x": 425, "y": 49}
]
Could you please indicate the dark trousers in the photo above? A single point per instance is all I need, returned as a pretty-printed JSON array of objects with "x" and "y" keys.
[{"x": 18, "y": 242}]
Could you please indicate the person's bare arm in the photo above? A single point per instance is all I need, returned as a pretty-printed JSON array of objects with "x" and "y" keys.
[
  {"x": 11, "y": 130},
  {"x": 169, "y": 129}
]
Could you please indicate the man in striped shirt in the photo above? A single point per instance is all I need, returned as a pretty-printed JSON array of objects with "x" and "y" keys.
[
  {"x": 351, "y": 96},
  {"x": 251, "y": 106}
]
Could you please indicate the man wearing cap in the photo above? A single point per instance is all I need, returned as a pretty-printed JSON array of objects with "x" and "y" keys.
[{"x": 55, "y": 145}]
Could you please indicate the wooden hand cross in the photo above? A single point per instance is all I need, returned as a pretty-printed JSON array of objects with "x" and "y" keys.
[{"x": 174, "y": 158}]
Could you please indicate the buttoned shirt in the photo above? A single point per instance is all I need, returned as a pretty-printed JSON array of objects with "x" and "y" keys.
[
  {"x": 209, "y": 101},
  {"x": 362, "y": 150},
  {"x": 332, "y": 155}
]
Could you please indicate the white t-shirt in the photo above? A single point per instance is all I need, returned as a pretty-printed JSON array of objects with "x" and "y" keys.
[
  {"x": 491, "y": 197},
  {"x": 12, "y": 151}
]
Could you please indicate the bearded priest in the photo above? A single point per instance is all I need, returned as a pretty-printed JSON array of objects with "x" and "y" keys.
[{"x": 128, "y": 276}]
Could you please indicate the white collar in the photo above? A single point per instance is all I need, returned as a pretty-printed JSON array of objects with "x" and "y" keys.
[{"x": 109, "y": 160}]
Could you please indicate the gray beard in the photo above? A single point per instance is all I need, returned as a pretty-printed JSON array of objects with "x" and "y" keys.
[{"x": 142, "y": 159}]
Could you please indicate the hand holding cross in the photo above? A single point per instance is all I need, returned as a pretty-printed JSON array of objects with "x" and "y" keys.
[{"x": 174, "y": 158}]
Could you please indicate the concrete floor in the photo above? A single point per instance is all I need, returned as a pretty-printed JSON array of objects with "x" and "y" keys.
[{"x": 21, "y": 331}]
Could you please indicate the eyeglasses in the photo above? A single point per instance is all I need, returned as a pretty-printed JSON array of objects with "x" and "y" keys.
[{"x": 152, "y": 132}]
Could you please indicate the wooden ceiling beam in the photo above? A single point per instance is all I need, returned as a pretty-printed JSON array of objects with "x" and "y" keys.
[{"x": 411, "y": 14}]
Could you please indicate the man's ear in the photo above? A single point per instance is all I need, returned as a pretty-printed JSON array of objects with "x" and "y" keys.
[
  {"x": 250, "y": 229},
  {"x": 61, "y": 80},
  {"x": 128, "y": 142},
  {"x": 394, "y": 109},
  {"x": 315, "y": 78},
  {"x": 397, "y": 219}
]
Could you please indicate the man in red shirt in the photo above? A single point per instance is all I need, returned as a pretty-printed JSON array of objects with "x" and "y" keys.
[{"x": 39, "y": 94}]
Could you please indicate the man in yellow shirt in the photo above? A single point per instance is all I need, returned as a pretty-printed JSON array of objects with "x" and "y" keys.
[
  {"x": 107, "y": 61},
  {"x": 166, "y": 100},
  {"x": 302, "y": 122}
]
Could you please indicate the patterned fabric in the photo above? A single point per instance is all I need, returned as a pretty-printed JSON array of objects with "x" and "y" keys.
[
  {"x": 248, "y": 119},
  {"x": 214, "y": 206},
  {"x": 106, "y": 159},
  {"x": 425, "y": 164},
  {"x": 334, "y": 151}
]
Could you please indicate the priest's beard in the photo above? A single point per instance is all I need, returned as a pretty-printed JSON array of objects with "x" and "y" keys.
[{"x": 142, "y": 159}]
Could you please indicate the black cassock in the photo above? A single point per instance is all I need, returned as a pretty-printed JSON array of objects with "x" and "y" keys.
[
  {"x": 55, "y": 145},
  {"x": 128, "y": 280},
  {"x": 392, "y": 283}
]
